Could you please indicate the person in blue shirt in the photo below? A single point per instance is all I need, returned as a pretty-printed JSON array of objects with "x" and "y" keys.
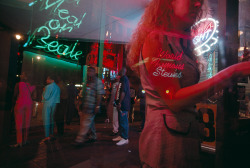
[
  {"x": 123, "y": 106},
  {"x": 50, "y": 99}
]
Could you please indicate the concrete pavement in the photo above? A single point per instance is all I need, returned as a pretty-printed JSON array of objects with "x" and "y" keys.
[{"x": 60, "y": 153}]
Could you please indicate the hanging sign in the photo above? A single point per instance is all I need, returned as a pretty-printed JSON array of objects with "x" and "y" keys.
[
  {"x": 63, "y": 21},
  {"x": 205, "y": 34}
]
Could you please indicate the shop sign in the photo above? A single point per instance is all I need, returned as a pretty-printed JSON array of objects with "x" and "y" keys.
[
  {"x": 65, "y": 22},
  {"x": 166, "y": 61},
  {"x": 205, "y": 34}
]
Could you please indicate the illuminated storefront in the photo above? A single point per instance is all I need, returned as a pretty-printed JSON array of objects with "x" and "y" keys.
[{"x": 66, "y": 36}]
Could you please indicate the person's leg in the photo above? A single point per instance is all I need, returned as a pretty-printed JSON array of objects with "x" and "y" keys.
[
  {"x": 84, "y": 127},
  {"x": 92, "y": 128},
  {"x": 28, "y": 113},
  {"x": 70, "y": 111},
  {"x": 62, "y": 116},
  {"x": 52, "y": 122},
  {"x": 115, "y": 120},
  {"x": 124, "y": 124},
  {"x": 59, "y": 118},
  {"x": 19, "y": 122},
  {"x": 46, "y": 119},
  {"x": 123, "y": 129}
]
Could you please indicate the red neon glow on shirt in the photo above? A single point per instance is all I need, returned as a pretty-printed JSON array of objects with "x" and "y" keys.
[
  {"x": 166, "y": 56},
  {"x": 162, "y": 72}
]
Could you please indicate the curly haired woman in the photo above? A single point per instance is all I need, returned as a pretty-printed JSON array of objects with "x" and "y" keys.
[{"x": 161, "y": 51}]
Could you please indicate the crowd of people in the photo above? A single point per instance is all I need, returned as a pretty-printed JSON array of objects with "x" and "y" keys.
[{"x": 61, "y": 102}]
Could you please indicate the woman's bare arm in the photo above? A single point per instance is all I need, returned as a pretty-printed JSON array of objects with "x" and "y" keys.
[{"x": 169, "y": 89}]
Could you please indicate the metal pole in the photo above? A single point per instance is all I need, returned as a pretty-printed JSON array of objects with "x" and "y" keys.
[{"x": 101, "y": 40}]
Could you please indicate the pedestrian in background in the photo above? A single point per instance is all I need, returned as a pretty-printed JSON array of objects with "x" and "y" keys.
[
  {"x": 23, "y": 109},
  {"x": 112, "y": 110},
  {"x": 50, "y": 99},
  {"x": 91, "y": 106},
  {"x": 123, "y": 107}
]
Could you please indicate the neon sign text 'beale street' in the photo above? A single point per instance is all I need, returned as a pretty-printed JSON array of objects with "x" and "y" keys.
[
  {"x": 54, "y": 46},
  {"x": 66, "y": 22}
]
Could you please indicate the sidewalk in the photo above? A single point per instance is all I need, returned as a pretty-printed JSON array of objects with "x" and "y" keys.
[{"x": 60, "y": 153}]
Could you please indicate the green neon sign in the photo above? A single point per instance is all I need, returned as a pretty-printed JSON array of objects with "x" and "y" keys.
[
  {"x": 57, "y": 4},
  {"x": 66, "y": 22},
  {"x": 71, "y": 22},
  {"x": 55, "y": 47}
]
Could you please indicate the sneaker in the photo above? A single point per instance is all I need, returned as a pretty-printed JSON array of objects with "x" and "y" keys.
[
  {"x": 122, "y": 142},
  {"x": 117, "y": 138}
]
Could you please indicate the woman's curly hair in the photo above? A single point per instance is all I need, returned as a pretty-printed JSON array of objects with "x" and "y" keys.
[{"x": 156, "y": 17}]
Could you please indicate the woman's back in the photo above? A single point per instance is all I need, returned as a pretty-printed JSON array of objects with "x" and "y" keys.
[{"x": 25, "y": 91}]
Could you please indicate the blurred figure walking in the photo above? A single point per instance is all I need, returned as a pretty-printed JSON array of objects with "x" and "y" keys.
[
  {"x": 51, "y": 97},
  {"x": 91, "y": 106},
  {"x": 23, "y": 109}
]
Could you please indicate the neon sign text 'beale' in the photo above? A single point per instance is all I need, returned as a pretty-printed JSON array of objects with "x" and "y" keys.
[
  {"x": 54, "y": 46},
  {"x": 66, "y": 22}
]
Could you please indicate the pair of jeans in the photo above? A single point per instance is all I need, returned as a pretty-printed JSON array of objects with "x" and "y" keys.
[
  {"x": 123, "y": 124},
  {"x": 48, "y": 118},
  {"x": 86, "y": 123}
]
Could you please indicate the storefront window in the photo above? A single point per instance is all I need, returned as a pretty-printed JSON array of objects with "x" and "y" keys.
[
  {"x": 244, "y": 37},
  {"x": 66, "y": 38}
]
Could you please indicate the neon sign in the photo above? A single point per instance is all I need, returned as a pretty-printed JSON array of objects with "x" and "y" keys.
[
  {"x": 206, "y": 35},
  {"x": 166, "y": 56},
  {"x": 47, "y": 5},
  {"x": 161, "y": 72},
  {"x": 66, "y": 22},
  {"x": 170, "y": 64},
  {"x": 54, "y": 46}
]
